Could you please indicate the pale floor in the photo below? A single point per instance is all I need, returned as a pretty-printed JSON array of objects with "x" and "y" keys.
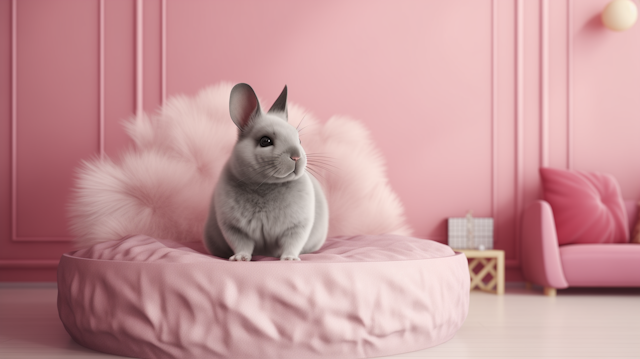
[{"x": 578, "y": 323}]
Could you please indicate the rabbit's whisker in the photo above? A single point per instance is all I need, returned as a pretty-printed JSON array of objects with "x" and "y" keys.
[
  {"x": 300, "y": 130},
  {"x": 315, "y": 173},
  {"x": 271, "y": 175},
  {"x": 317, "y": 167},
  {"x": 299, "y": 123},
  {"x": 320, "y": 157},
  {"x": 260, "y": 170},
  {"x": 315, "y": 154},
  {"x": 322, "y": 162},
  {"x": 314, "y": 160}
]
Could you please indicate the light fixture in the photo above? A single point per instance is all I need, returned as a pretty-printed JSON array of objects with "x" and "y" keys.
[{"x": 620, "y": 15}]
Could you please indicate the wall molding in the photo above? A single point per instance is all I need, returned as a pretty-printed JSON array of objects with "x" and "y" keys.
[
  {"x": 14, "y": 136},
  {"x": 544, "y": 83},
  {"x": 569, "y": 84},
  {"x": 519, "y": 175},
  {"x": 164, "y": 52},
  {"x": 29, "y": 263},
  {"x": 139, "y": 58},
  {"x": 14, "y": 118},
  {"x": 14, "y": 121},
  {"x": 53, "y": 263},
  {"x": 101, "y": 81},
  {"x": 494, "y": 115},
  {"x": 101, "y": 112}
]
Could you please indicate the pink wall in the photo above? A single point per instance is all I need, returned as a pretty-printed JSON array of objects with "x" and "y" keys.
[{"x": 466, "y": 98}]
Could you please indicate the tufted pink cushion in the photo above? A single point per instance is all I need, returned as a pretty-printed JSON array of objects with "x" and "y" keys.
[
  {"x": 356, "y": 297},
  {"x": 587, "y": 206},
  {"x": 601, "y": 265}
]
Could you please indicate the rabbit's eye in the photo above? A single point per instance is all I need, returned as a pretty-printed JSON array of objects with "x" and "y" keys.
[{"x": 265, "y": 142}]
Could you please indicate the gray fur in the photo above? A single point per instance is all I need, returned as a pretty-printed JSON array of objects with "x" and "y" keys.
[{"x": 265, "y": 203}]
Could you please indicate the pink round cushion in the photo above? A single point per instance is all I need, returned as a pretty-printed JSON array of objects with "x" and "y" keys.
[
  {"x": 362, "y": 296},
  {"x": 587, "y": 206}
]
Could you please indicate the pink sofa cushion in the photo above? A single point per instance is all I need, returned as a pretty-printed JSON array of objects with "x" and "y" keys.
[
  {"x": 601, "y": 265},
  {"x": 587, "y": 206}
]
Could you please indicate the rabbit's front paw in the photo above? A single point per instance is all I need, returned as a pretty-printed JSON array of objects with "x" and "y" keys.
[
  {"x": 289, "y": 257},
  {"x": 244, "y": 257}
]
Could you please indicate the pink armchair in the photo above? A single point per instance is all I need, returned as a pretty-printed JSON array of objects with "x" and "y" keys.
[{"x": 547, "y": 263}]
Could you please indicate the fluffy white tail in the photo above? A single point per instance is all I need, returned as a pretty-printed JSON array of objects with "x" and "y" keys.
[{"x": 162, "y": 186}]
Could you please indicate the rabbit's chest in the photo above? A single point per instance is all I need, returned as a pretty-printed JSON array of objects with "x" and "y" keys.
[
  {"x": 274, "y": 207},
  {"x": 267, "y": 214}
]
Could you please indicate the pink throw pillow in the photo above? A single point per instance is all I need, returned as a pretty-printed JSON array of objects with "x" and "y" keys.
[{"x": 587, "y": 206}]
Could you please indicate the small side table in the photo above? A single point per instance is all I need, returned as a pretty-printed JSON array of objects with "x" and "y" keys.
[{"x": 493, "y": 263}]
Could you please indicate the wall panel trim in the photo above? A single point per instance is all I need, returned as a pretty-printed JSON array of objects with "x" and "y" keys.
[
  {"x": 519, "y": 176},
  {"x": 14, "y": 122},
  {"x": 544, "y": 83},
  {"x": 494, "y": 114},
  {"x": 101, "y": 81},
  {"x": 29, "y": 263},
  {"x": 164, "y": 51},
  {"x": 139, "y": 54},
  {"x": 14, "y": 118},
  {"x": 569, "y": 84}
]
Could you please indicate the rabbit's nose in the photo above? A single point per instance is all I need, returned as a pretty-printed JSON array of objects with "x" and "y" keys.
[{"x": 295, "y": 158}]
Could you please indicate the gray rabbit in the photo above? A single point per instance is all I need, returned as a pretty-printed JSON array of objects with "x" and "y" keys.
[{"x": 265, "y": 203}]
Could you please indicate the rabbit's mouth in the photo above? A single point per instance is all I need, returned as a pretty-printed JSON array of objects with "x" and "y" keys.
[
  {"x": 288, "y": 168},
  {"x": 287, "y": 175},
  {"x": 294, "y": 173}
]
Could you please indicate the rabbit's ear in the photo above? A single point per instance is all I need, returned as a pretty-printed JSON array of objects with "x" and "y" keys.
[
  {"x": 281, "y": 103},
  {"x": 243, "y": 105}
]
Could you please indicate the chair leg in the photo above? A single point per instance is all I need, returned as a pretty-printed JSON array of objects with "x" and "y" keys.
[
  {"x": 528, "y": 285},
  {"x": 549, "y": 292}
]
